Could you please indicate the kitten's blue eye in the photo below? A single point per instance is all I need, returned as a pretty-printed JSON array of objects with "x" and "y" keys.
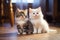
[{"x": 33, "y": 13}]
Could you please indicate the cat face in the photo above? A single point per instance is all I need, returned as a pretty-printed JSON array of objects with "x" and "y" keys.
[
  {"x": 21, "y": 14},
  {"x": 35, "y": 13}
]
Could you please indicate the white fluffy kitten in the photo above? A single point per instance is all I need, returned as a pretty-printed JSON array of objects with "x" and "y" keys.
[{"x": 39, "y": 23}]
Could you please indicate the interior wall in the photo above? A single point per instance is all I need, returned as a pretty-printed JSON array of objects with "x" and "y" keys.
[
  {"x": 49, "y": 10},
  {"x": 58, "y": 5},
  {"x": 43, "y": 6},
  {"x": 57, "y": 11},
  {"x": 50, "y": 5}
]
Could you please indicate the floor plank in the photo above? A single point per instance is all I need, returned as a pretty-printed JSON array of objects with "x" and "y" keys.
[{"x": 10, "y": 33}]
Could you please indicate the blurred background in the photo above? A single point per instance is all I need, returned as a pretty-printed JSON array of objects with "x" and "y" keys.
[
  {"x": 8, "y": 29},
  {"x": 50, "y": 9}
]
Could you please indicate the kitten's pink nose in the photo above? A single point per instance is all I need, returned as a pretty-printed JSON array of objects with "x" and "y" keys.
[{"x": 35, "y": 15}]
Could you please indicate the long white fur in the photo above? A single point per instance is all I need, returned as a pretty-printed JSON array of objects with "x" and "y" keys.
[{"x": 39, "y": 23}]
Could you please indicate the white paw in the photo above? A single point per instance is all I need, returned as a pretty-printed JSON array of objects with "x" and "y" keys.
[
  {"x": 35, "y": 31},
  {"x": 18, "y": 33},
  {"x": 39, "y": 30}
]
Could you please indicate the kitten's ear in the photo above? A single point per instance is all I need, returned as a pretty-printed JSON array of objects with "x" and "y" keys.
[
  {"x": 18, "y": 9},
  {"x": 30, "y": 10},
  {"x": 39, "y": 8},
  {"x": 26, "y": 11},
  {"x": 41, "y": 14}
]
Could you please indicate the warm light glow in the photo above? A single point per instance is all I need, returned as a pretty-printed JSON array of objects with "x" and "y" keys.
[
  {"x": 13, "y": 1},
  {"x": 23, "y": 1},
  {"x": 28, "y": 1}
]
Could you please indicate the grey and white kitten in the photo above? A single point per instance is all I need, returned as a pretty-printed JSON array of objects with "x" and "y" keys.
[{"x": 20, "y": 19}]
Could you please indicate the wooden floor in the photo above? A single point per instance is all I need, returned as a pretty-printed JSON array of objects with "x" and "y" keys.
[{"x": 10, "y": 33}]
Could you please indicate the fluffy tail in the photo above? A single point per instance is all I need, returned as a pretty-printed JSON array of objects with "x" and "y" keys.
[{"x": 52, "y": 30}]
